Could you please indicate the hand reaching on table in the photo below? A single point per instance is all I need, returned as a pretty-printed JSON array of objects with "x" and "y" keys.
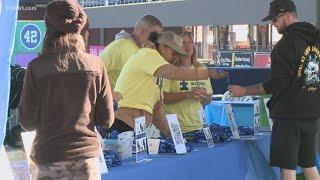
[
  {"x": 199, "y": 94},
  {"x": 214, "y": 74},
  {"x": 237, "y": 91}
]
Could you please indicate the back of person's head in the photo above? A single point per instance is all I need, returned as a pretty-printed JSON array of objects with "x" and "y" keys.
[
  {"x": 277, "y": 7},
  {"x": 66, "y": 22},
  {"x": 147, "y": 22}
]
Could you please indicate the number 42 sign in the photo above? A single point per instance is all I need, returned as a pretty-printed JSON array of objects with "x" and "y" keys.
[{"x": 30, "y": 36}]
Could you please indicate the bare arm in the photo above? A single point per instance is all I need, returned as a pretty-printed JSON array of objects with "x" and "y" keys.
[
  {"x": 171, "y": 98},
  {"x": 196, "y": 94},
  {"x": 159, "y": 119},
  {"x": 255, "y": 90},
  {"x": 238, "y": 91},
  {"x": 170, "y": 71}
]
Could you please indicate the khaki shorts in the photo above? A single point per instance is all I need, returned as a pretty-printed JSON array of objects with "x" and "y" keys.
[{"x": 86, "y": 169}]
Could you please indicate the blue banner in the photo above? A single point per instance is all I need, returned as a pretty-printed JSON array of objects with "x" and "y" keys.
[
  {"x": 224, "y": 59},
  {"x": 243, "y": 59},
  {"x": 8, "y": 21}
]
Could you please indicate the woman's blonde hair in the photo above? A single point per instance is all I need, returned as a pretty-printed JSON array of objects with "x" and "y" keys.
[
  {"x": 56, "y": 42},
  {"x": 194, "y": 57}
]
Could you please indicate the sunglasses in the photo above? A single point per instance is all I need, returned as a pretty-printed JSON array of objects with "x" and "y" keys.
[{"x": 275, "y": 19}]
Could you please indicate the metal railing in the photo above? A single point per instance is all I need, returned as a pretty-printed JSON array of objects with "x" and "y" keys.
[
  {"x": 91, "y": 3},
  {"x": 97, "y": 3}
]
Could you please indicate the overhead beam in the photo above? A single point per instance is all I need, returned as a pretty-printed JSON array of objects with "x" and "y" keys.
[{"x": 193, "y": 12}]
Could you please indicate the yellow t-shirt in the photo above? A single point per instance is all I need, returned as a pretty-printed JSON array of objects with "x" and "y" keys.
[
  {"x": 136, "y": 82},
  {"x": 186, "y": 110},
  {"x": 115, "y": 55}
]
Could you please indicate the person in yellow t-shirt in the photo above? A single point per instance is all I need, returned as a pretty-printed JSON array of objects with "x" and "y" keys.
[
  {"x": 186, "y": 98},
  {"x": 118, "y": 52},
  {"x": 138, "y": 81}
]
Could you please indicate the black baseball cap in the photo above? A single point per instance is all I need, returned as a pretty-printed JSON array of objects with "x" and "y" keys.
[{"x": 279, "y": 6}]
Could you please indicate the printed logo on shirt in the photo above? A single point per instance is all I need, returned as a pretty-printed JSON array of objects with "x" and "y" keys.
[
  {"x": 201, "y": 84},
  {"x": 309, "y": 69},
  {"x": 184, "y": 85}
]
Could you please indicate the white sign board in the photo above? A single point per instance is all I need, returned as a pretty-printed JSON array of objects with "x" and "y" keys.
[
  {"x": 176, "y": 134},
  {"x": 256, "y": 125},
  {"x": 265, "y": 101},
  {"x": 102, "y": 160},
  {"x": 141, "y": 139},
  {"x": 205, "y": 128},
  {"x": 232, "y": 121},
  {"x": 27, "y": 139},
  {"x": 5, "y": 168}
]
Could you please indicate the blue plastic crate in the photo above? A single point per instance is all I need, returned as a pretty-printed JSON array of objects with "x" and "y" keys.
[{"x": 245, "y": 113}]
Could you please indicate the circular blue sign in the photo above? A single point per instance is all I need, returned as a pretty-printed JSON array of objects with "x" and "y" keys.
[{"x": 30, "y": 36}]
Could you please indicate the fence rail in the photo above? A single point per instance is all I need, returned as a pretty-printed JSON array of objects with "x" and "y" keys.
[{"x": 92, "y": 3}]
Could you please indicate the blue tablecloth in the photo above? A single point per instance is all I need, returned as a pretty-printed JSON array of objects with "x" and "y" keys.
[
  {"x": 245, "y": 159},
  {"x": 225, "y": 161}
]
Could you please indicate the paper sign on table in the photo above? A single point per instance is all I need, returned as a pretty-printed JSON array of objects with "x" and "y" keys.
[
  {"x": 265, "y": 101},
  {"x": 141, "y": 139},
  {"x": 176, "y": 134},
  {"x": 256, "y": 117},
  {"x": 102, "y": 160},
  {"x": 205, "y": 128},
  {"x": 27, "y": 140},
  {"x": 6, "y": 170},
  {"x": 232, "y": 121}
]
